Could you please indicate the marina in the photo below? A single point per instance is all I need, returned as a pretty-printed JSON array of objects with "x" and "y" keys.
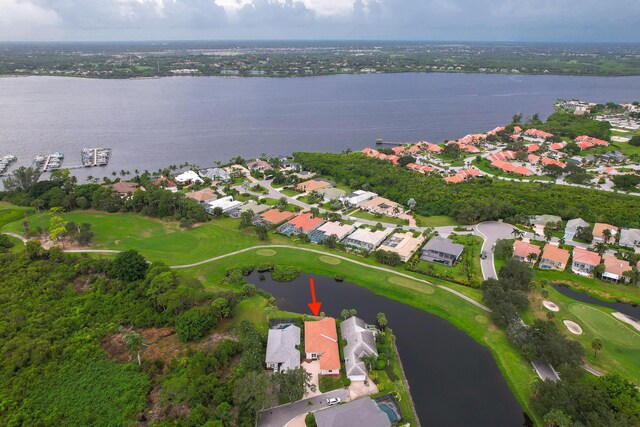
[
  {"x": 5, "y": 162},
  {"x": 48, "y": 162},
  {"x": 95, "y": 156}
]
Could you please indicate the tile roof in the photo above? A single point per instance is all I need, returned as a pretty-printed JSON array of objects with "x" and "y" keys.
[
  {"x": 203, "y": 195},
  {"x": 274, "y": 216},
  {"x": 306, "y": 221},
  {"x": 313, "y": 185},
  {"x": 554, "y": 253},
  {"x": 334, "y": 227},
  {"x": 599, "y": 227},
  {"x": 523, "y": 249},
  {"x": 503, "y": 155},
  {"x": 584, "y": 256},
  {"x": 125, "y": 187},
  {"x": 613, "y": 265},
  {"x": 321, "y": 336}
]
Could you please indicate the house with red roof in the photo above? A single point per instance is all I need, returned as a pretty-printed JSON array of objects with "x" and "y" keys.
[
  {"x": 532, "y": 148},
  {"x": 503, "y": 156},
  {"x": 463, "y": 175},
  {"x": 557, "y": 146},
  {"x": 538, "y": 133},
  {"x": 304, "y": 223},
  {"x": 533, "y": 159},
  {"x": 273, "y": 217},
  {"x": 584, "y": 261},
  {"x": 522, "y": 250},
  {"x": 591, "y": 141},
  {"x": 512, "y": 168},
  {"x": 615, "y": 268},
  {"x": 554, "y": 258},
  {"x": 321, "y": 343},
  {"x": 546, "y": 161}
]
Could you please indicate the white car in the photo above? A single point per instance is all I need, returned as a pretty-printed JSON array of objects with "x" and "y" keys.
[{"x": 333, "y": 401}]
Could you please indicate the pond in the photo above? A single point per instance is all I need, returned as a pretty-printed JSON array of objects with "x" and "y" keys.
[
  {"x": 628, "y": 309},
  {"x": 454, "y": 380}
]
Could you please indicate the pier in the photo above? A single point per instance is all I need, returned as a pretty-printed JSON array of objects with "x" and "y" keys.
[
  {"x": 95, "y": 156},
  {"x": 48, "y": 162},
  {"x": 381, "y": 142},
  {"x": 5, "y": 162}
]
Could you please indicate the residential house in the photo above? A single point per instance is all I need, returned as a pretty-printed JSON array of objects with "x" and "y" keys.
[
  {"x": 258, "y": 165},
  {"x": 313, "y": 185},
  {"x": 188, "y": 177},
  {"x": 554, "y": 258},
  {"x": 572, "y": 227},
  {"x": 615, "y": 268},
  {"x": 273, "y": 217},
  {"x": 363, "y": 412},
  {"x": 358, "y": 196},
  {"x": 331, "y": 193},
  {"x": 441, "y": 251},
  {"x": 598, "y": 233},
  {"x": 227, "y": 204},
  {"x": 166, "y": 183},
  {"x": 216, "y": 174},
  {"x": 304, "y": 223},
  {"x": 361, "y": 342},
  {"x": 333, "y": 228},
  {"x": 539, "y": 222},
  {"x": 126, "y": 188},
  {"x": 382, "y": 206},
  {"x": 584, "y": 261},
  {"x": 404, "y": 244},
  {"x": 283, "y": 348},
  {"x": 321, "y": 343},
  {"x": 366, "y": 239},
  {"x": 252, "y": 206},
  {"x": 203, "y": 196},
  {"x": 613, "y": 156},
  {"x": 629, "y": 237},
  {"x": 522, "y": 250}
]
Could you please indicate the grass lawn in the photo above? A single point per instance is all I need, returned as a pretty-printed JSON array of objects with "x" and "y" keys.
[
  {"x": 251, "y": 309},
  {"x": 329, "y": 383},
  {"x": 385, "y": 219},
  {"x": 289, "y": 192},
  {"x": 243, "y": 197},
  {"x": 10, "y": 213},
  {"x": 434, "y": 221},
  {"x": 620, "y": 343},
  {"x": 594, "y": 287}
]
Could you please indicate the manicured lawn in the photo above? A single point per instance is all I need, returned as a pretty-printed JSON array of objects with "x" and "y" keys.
[
  {"x": 289, "y": 192},
  {"x": 385, "y": 219},
  {"x": 595, "y": 287},
  {"x": 10, "y": 213},
  {"x": 329, "y": 383},
  {"x": 434, "y": 221},
  {"x": 251, "y": 309}
]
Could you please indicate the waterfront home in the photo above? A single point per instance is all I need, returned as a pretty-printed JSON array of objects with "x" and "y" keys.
[
  {"x": 166, "y": 183},
  {"x": 522, "y": 251},
  {"x": 361, "y": 342},
  {"x": 591, "y": 140},
  {"x": 629, "y": 237},
  {"x": 283, "y": 348},
  {"x": 554, "y": 258},
  {"x": 572, "y": 227},
  {"x": 203, "y": 196},
  {"x": 236, "y": 171},
  {"x": 404, "y": 244},
  {"x": 126, "y": 188},
  {"x": 188, "y": 177},
  {"x": 304, "y": 223},
  {"x": 598, "y": 233},
  {"x": 333, "y": 228},
  {"x": 584, "y": 261},
  {"x": 258, "y": 165},
  {"x": 321, "y": 343},
  {"x": 216, "y": 174},
  {"x": 382, "y": 206},
  {"x": 363, "y": 412},
  {"x": 313, "y": 185},
  {"x": 366, "y": 239},
  {"x": 358, "y": 196},
  {"x": 273, "y": 217},
  {"x": 615, "y": 268},
  {"x": 535, "y": 133},
  {"x": 227, "y": 204},
  {"x": 441, "y": 251}
]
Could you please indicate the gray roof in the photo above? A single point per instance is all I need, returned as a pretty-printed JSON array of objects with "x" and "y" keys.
[
  {"x": 573, "y": 224},
  {"x": 440, "y": 244},
  {"x": 215, "y": 173},
  {"x": 543, "y": 219},
  {"x": 360, "y": 342},
  {"x": 281, "y": 347},
  {"x": 357, "y": 413},
  {"x": 629, "y": 237},
  {"x": 255, "y": 207},
  {"x": 331, "y": 193}
]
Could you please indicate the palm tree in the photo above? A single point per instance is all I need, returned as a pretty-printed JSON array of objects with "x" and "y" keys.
[
  {"x": 606, "y": 233},
  {"x": 561, "y": 241},
  {"x": 517, "y": 232},
  {"x": 532, "y": 258},
  {"x": 601, "y": 248},
  {"x": 596, "y": 345},
  {"x": 344, "y": 313},
  {"x": 369, "y": 360}
]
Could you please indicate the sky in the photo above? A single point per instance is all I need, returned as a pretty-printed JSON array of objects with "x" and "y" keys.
[{"x": 470, "y": 20}]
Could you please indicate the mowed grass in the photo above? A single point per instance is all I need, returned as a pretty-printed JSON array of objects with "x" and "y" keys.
[
  {"x": 435, "y": 221},
  {"x": 10, "y": 213},
  {"x": 251, "y": 309},
  {"x": 385, "y": 219},
  {"x": 463, "y": 315}
]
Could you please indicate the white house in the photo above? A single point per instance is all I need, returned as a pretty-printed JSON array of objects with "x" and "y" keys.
[
  {"x": 359, "y": 196},
  {"x": 227, "y": 204},
  {"x": 365, "y": 239},
  {"x": 361, "y": 342},
  {"x": 189, "y": 176}
]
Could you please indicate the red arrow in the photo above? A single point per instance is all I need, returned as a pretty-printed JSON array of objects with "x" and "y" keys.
[{"x": 314, "y": 305}]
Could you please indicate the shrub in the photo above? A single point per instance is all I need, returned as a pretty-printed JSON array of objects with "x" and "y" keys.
[
  {"x": 284, "y": 273},
  {"x": 195, "y": 323}
]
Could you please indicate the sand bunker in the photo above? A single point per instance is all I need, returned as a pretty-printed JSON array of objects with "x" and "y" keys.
[
  {"x": 550, "y": 305},
  {"x": 573, "y": 327},
  {"x": 627, "y": 319}
]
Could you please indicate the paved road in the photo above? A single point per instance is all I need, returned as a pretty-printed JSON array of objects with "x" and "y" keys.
[
  {"x": 491, "y": 232},
  {"x": 281, "y": 415}
]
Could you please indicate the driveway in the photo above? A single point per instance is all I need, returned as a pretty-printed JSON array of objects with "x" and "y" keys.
[
  {"x": 281, "y": 415},
  {"x": 313, "y": 368},
  {"x": 491, "y": 232}
]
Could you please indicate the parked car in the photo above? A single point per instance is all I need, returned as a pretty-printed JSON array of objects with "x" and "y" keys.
[
  {"x": 483, "y": 255},
  {"x": 333, "y": 401}
]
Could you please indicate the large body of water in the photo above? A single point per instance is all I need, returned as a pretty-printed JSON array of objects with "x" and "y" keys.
[
  {"x": 454, "y": 380},
  {"x": 156, "y": 122}
]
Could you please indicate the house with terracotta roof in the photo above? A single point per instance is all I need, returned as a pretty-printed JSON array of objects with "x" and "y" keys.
[
  {"x": 522, "y": 250},
  {"x": 554, "y": 258},
  {"x": 591, "y": 140},
  {"x": 535, "y": 133},
  {"x": 166, "y": 183},
  {"x": 313, "y": 185},
  {"x": 273, "y": 217},
  {"x": 203, "y": 196},
  {"x": 321, "y": 343},
  {"x": 615, "y": 268},
  {"x": 503, "y": 156},
  {"x": 404, "y": 244},
  {"x": 126, "y": 188},
  {"x": 258, "y": 165},
  {"x": 533, "y": 159},
  {"x": 598, "y": 233},
  {"x": 532, "y": 148},
  {"x": 380, "y": 205},
  {"x": 546, "y": 161},
  {"x": 463, "y": 175},
  {"x": 584, "y": 261},
  {"x": 512, "y": 168},
  {"x": 557, "y": 146},
  {"x": 433, "y": 148},
  {"x": 304, "y": 223}
]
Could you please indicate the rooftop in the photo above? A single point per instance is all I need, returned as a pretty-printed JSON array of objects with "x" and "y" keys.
[
  {"x": 321, "y": 336},
  {"x": 554, "y": 253},
  {"x": 274, "y": 216}
]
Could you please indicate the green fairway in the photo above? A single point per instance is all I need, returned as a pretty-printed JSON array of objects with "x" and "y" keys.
[
  {"x": 10, "y": 213},
  {"x": 606, "y": 325}
]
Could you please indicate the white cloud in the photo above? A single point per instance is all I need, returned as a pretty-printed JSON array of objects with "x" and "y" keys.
[{"x": 18, "y": 18}]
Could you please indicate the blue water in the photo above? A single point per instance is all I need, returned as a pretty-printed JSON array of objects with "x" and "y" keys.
[{"x": 155, "y": 122}]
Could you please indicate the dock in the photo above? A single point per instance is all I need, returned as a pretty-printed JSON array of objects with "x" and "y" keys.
[
  {"x": 95, "y": 156},
  {"x": 381, "y": 142},
  {"x": 5, "y": 162},
  {"x": 48, "y": 162}
]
